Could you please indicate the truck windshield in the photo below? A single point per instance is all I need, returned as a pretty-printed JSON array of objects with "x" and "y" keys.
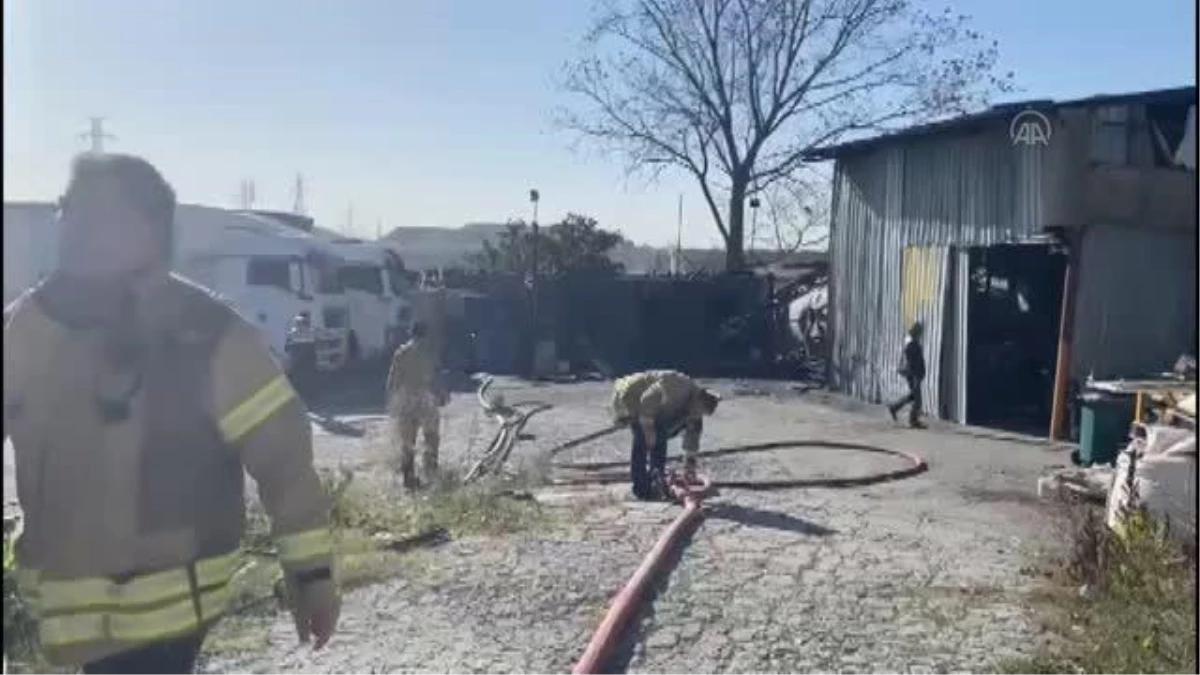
[
  {"x": 365, "y": 278},
  {"x": 269, "y": 272},
  {"x": 396, "y": 281}
]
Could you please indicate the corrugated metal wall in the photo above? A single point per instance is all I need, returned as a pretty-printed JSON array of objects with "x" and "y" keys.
[
  {"x": 923, "y": 293},
  {"x": 975, "y": 190},
  {"x": 1136, "y": 309}
]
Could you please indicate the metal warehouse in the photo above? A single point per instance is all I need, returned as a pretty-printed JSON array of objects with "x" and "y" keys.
[{"x": 1040, "y": 243}]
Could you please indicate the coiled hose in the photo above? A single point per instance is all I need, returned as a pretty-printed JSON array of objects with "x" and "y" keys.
[{"x": 607, "y": 637}]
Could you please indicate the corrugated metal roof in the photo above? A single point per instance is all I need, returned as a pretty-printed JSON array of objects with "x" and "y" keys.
[{"x": 966, "y": 123}]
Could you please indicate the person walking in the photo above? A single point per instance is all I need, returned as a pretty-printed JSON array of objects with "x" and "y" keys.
[
  {"x": 414, "y": 394},
  {"x": 912, "y": 369},
  {"x": 658, "y": 405},
  {"x": 136, "y": 401}
]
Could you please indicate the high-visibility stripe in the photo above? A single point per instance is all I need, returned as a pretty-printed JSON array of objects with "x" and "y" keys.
[
  {"x": 92, "y": 594},
  {"x": 174, "y": 619},
  {"x": 256, "y": 409},
  {"x": 297, "y": 548}
]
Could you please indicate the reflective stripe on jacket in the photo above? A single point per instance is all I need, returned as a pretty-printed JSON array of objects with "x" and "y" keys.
[{"x": 131, "y": 446}]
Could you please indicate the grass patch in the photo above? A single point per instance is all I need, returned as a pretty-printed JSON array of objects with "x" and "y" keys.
[
  {"x": 1116, "y": 603},
  {"x": 370, "y": 532}
]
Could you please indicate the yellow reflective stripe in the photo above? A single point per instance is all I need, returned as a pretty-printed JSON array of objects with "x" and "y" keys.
[
  {"x": 173, "y": 619},
  {"x": 305, "y": 545},
  {"x": 59, "y": 596},
  {"x": 256, "y": 409}
]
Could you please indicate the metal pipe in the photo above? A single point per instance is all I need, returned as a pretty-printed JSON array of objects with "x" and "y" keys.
[{"x": 1066, "y": 335}]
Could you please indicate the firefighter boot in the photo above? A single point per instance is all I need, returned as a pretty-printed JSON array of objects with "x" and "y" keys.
[{"x": 690, "y": 470}]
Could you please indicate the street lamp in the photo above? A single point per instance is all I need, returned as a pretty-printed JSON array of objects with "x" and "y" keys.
[
  {"x": 534, "y": 198},
  {"x": 753, "y": 221}
]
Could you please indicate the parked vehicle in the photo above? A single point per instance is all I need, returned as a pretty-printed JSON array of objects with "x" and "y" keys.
[
  {"x": 372, "y": 277},
  {"x": 31, "y": 233},
  {"x": 281, "y": 279}
]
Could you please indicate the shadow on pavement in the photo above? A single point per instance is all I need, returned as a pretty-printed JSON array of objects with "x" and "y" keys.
[{"x": 753, "y": 517}]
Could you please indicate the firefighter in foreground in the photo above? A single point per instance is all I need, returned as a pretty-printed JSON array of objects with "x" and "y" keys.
[
  {"x": 414, "y": 394},
  {"x": 657, "y": 405},
  {"x": 134, "y": 400}
]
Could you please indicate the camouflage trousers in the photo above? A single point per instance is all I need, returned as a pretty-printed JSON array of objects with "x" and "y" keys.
[{"x": 411, "y": 412}]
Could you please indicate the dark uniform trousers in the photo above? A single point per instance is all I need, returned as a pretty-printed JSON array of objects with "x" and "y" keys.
[
  {"x": 647, "y": 466},
  {"x": 168, "y": 656}
]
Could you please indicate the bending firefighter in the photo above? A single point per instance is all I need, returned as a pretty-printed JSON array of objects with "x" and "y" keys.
[
  {"x": 414, "y": 395},
  {"x": 658, "y": 405},
  {"x": 135, "y": 401}
]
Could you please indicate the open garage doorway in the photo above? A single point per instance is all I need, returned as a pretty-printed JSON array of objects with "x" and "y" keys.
[{"x": 1014, "y": 305}]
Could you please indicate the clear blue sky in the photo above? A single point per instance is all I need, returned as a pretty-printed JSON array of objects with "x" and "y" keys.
[{"x": 426, "y": 112}]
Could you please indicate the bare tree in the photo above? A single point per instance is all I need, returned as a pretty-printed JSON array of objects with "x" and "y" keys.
[{"x": 737, "y": 92}]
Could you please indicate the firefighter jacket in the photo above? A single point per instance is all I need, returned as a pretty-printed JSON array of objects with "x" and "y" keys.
[
  {"x": 664, "y": 399},
  {"x": 130, "y": 438}
]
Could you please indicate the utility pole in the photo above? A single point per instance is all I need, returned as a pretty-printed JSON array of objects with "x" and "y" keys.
[
  {"x": 96, "y": 135},
  {"x": 246, "y": 195},
  {"x": 298, "y": 206},
  {"x": 350, "y": 221},
  {"x": 379, "y": 229},
  {"x": 677, "y": 259}
]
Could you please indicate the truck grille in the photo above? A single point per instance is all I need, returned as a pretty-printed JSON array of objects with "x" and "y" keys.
[{"x": 335, "y": 317}]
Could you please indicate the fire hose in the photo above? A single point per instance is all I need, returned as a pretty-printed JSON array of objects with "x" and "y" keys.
[{"x": 625, "y": 605}]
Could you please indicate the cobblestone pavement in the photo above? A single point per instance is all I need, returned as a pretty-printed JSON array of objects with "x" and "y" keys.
[{"x": 919, "y": 575}]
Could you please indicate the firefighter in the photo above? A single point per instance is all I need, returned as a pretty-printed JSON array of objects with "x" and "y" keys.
[
  {"x": 414, "y": 394},
  {"x": 657, "y": 405},
  {"x": 134, "y": 401}
]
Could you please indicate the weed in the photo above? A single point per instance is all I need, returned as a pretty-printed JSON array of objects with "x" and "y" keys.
[{"x": 1118, "y": 602}]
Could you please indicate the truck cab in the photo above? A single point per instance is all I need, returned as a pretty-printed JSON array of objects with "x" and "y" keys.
[
  {"x": 375, "y": 287},
  {"x": 281, "y": 280}
]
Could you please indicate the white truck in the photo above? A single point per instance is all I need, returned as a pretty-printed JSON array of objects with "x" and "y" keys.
[
  {"x": 372, "y": 277},
  {"x": 283, "y": 280},
  {"x": 31, "y": 233}
]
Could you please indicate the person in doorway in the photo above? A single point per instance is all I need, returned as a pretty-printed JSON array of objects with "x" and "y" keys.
[
  {"x": 912, "y": 369},
  {"x": 414, "y": 394},
  {"x": 135, "y": 402},
  {"x": 658, "y": 405}
]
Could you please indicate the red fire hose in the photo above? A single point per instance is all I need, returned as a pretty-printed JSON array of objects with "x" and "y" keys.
[
  {"x": 606, "y": 638},
  {"x": 623, "y": 609}
]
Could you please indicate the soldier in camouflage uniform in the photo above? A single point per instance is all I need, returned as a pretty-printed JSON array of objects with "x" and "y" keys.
[{"x": 414, "y": 394}]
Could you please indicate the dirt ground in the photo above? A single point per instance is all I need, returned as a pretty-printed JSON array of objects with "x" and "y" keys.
[{"x": 919, "y": 575}]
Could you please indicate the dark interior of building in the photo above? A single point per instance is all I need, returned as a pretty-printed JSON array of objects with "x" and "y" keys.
[{"x": 1013, "y": 316}]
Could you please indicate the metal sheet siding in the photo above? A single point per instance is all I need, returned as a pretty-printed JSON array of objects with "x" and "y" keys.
[
  {"x": 975, "y": 190},
  {"x": 1136, "y": 308},
  {"x": 923, "y": 292}
]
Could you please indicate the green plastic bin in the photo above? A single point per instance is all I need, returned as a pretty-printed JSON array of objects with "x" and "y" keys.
[{"x": 1104, "y": 420}]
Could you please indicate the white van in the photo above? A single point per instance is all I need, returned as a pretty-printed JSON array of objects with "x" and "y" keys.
[
  {"x": 372, "y": 277},
  {"x": 31, "y": 233},
  {"x": 280, "y": 279}
]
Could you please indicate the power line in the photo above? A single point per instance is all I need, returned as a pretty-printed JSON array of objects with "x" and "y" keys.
[{"x": 96, "y": 135}]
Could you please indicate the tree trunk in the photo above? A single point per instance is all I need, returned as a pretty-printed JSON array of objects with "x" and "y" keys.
[{"x": 735, "y": 253}]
